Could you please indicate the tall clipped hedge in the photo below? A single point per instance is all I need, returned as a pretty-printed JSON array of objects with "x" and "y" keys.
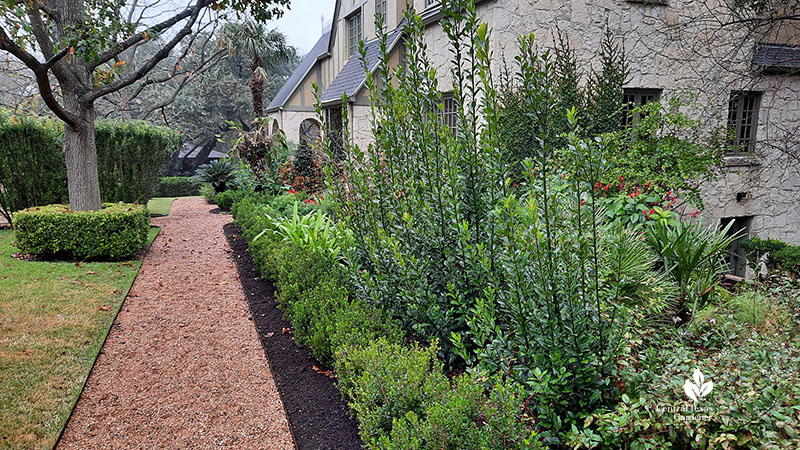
[
  {"x": 129, "y": 158},
  {"x": 32, "y": 169},
  {"x": 33, "y": 172}
]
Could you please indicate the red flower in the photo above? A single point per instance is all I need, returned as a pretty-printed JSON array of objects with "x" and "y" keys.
[
  {"x": 564, "y": 176},
  {"x": 291, "y": 191},
  {"x": 652, "y": 211},
  {"x": 694, "y": 214},
  {"x": 605, "y": 188},
  {"x": 646, "y": 214},
  {"x": 620, "y": 178}
]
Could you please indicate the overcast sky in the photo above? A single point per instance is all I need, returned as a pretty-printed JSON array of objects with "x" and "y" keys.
[{"x": 302, "y": 25}]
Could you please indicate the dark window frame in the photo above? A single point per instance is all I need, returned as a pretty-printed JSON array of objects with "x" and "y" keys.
[
  {"x": 355, "y": 32},
  {"x": 633, "y": 98},
  {"x": 380, "y": 10},
  {"x": 450, "y": 112},
  {"x": 743, "y": 110}
]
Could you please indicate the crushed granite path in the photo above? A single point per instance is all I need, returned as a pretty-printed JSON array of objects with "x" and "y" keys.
[{"x": 183, "y": 366}]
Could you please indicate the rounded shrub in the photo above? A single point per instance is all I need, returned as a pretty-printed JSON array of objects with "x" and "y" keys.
[{"x": 118, "y": 231}]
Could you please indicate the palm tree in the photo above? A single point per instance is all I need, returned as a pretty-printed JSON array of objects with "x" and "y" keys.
[{"x": 265, "y": 50}]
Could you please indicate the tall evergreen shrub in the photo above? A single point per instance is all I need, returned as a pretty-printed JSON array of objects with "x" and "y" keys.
[{"x": 514, "y": 280}]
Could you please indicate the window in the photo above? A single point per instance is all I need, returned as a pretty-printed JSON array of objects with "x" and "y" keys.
[
  {"x": 430, "y": 2},
  {"x": 634, "y": 98},
  {"x": 354, "y": 33},
  {"x": 334, "y": 131},
  {"x": 736, "y": 254},
  {"x": 450, "y": 113},
  {"x": 743, "y": 121},
  {"x": 310, "y": 132},
  {"x": 380, "y": 11}
]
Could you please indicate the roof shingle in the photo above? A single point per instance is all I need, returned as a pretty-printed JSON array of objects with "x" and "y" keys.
[
  {"x": 777, "y": 56},
  {"x": 299, "y": 73},
  {"x": 352, "y": 76}
]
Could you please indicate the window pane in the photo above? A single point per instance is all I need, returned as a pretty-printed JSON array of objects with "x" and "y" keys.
[{"x": 742, "y": 120}]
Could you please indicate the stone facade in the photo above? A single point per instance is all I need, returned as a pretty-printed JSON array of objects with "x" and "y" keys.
[{"x": 672, "y": 47}]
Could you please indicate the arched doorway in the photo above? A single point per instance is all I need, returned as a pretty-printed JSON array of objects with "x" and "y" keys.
[{"x": 275, "y": 127}]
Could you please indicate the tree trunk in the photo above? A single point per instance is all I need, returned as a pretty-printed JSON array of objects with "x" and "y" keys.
[
  {"x": 80, "y": 152},
  {"x": 257, "y": 90}
]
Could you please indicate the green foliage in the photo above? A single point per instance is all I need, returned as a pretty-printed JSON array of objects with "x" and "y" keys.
[
  {"x": 752, "y": 308},
  {"x": 756, "y": 248},
  {"x": 226, "y": 199},
  {"x": 313, "y": 232},
  {"x": 788, "y": 258},
  {"x": 32, "y": 168},
  {"x": 208, "y": 193},
  {"x": 220, "y": 174},
  {"x": 693, "y": 254},
  {"x": 604, "y": 95},
  {"x": 664, "y": 149},
  {"x": 176, "y": 187},
  {"x": 386, "y": 380},
  {"x": 465, "y": 419},
  {"x": 129, "y": 157},
  {"x": 118, "y": 231},
  {"x": 636, "y": 207},
  {"x": 752, "y": 405}
]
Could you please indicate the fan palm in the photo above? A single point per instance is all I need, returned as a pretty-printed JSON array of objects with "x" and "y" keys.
[{"x": 264, "y": 48}]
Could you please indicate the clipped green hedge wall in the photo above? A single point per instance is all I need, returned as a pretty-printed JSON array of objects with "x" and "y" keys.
[
  {"x": 118, "y": 231},
  {"x": 32, "y": 169},
  {"x": 176, "y": 187},
  {"x": 129, "y": 156},
  {"x": 33, "y": 173}
]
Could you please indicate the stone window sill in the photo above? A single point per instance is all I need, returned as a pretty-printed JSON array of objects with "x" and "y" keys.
[{"x": 741, "y": 161}]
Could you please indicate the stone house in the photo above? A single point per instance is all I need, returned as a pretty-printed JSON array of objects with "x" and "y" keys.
[{"x": 747, "y": 79}]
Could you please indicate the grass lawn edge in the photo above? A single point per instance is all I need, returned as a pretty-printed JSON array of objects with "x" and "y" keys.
[{"x": 153, "y": 234}]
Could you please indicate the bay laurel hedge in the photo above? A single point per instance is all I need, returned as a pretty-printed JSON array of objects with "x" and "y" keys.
[
  {"x": 32, "y": 168},
  {"x": 33, "y": 171},
  {"x": 129, "y": 157},
  {"x": 176, "y": 187},
  {"x": 118, "y": 231}
]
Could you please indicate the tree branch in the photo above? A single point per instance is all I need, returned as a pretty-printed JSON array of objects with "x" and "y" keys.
[
  {"x": 42, "y": 80},
  {"x": 141, "y": 36}
]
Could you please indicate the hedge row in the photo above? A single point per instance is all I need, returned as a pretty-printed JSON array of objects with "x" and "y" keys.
[
  {"x": 176, "y": 187},
  {"x": 33, "y": 172},
  {"x": 118, "y": 231},
  {"x": 779, "y": 255},
  {"x": 398, "y": 392}
]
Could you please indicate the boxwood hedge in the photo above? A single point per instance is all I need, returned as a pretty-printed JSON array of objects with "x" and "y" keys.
[{"x": 118, "y": 231}]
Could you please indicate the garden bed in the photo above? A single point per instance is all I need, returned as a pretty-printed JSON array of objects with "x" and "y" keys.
[{"x": 318, "y": 416}]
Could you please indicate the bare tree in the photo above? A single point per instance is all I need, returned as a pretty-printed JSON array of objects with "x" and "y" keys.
[{"x": 73, "y": 48}]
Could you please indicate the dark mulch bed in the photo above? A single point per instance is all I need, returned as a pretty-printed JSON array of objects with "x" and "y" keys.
[{"x": 317, "y": 414}]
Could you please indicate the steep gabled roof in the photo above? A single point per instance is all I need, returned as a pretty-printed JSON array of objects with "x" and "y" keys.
[
  {"x": 352, "y": 76},
  {"x": 300, "y": 73},
  {"x": 777, "y": 57}
]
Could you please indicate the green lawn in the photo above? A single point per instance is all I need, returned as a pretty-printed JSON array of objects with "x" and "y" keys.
[
  {"x": 160, "y": 205},
  {"x": 53, "y": 320}
]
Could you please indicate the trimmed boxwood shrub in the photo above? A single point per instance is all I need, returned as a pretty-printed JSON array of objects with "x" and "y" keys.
[
  {"x": 176, "y": 187},
  {"x": 118, "y": 231}
]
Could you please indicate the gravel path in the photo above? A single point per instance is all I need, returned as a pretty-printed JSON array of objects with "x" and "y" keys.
[{"x": 183, "y": 366}]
